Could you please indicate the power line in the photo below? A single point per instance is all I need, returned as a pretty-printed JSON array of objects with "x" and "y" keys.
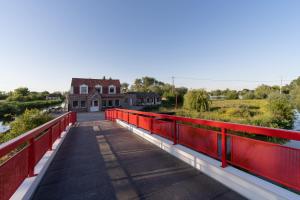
[{"x": 229, "y": 80}]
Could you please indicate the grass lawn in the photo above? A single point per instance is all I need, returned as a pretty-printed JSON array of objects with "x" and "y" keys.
[{"x": 239, "y": 111}]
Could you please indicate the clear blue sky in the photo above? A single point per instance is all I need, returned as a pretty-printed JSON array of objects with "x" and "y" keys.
[{"x": 43, "y": 44}]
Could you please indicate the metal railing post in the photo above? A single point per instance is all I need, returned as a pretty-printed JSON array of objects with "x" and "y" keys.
[
  {"x": 224, "y": 148},
  {"x": 59, "y": 128},
  {"x": 151, "y": 125},
  {"x": 50, "y": 138},
  {"x": 31, "y": 158},
  {"x": 175, "y": 132},
  {"x": 137, "y": 121}
]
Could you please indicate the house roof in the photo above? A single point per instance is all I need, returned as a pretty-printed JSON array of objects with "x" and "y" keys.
[
  {"x": 92, "y": 82},
  {"x": 144, "y": 94}
]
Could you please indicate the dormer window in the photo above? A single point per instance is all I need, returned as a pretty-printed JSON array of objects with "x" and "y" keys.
[
  {"x": 98, "y": 88},
  {"x": 112, "y": 89},
  {"x": 84, "y": 89}
]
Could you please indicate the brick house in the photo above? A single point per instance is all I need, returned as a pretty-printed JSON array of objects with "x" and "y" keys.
[{"x": 91, "y": 95}]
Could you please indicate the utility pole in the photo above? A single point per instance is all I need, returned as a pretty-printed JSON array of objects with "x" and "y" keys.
[
  {"x": 174, "y": 91},
  {"x": 281, "y": 85}
]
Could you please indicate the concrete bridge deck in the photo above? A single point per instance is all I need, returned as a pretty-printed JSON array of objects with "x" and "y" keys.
[{"x": 100, "y": 160}]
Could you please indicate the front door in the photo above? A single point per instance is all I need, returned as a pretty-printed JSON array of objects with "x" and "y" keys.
[{"x": 94, "y": 106}]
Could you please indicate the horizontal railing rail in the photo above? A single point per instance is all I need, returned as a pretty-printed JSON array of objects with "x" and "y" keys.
[
  {"x": 231, "y": 143},
  {"x": 20, "y": 155}
]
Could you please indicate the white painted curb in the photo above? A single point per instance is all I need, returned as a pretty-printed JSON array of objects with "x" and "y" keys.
[
  {"x": 245, "y": 184},
  {"x": 29, "y": 185}
]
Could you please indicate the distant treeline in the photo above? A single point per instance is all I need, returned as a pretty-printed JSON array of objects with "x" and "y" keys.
[
  {"x": 169, "y": 93},
  {"x": 10, "y": 109},
  {"x": 24, "y": 94}
]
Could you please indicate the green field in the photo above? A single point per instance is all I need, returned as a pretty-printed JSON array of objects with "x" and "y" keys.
[{"x": 252, "y": 112}]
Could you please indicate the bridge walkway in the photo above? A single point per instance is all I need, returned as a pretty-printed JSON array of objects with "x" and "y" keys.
[{"x": 100, "y": 160}]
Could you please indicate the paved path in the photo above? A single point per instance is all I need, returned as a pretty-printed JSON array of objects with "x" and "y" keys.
[{"x": 100, "y": 160}]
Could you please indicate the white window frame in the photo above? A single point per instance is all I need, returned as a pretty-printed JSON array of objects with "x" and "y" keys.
[
  {"x": 99, "y": 86},
  {"x": 87, "y": 89},
  {"x": 115, "y": 89}
]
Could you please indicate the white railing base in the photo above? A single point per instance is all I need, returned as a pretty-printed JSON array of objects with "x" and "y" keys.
[{"x": 29, "y": 185}]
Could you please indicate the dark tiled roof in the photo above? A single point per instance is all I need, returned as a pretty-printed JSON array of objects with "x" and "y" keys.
[
  {"x": 144, "y": 94},
  {"x": 92, "y": 82}
]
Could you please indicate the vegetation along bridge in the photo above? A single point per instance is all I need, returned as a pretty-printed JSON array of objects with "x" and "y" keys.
[{"x": 128, "y": 154}]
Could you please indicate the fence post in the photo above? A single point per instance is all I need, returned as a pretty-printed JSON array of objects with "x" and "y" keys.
[
  {"x": 224, "y": 148},
  {"x": 68, "y": 119},
  {"x": 66, "y": 122},
  {"x": 59, "y": 128},
  {"x": 175, "y": 132},
  {"x": 31, "y": 158},
  {"x": 128, "y": 118},
  {"x": 50, "y": 138},
  {"x": 151, "y": 125}
]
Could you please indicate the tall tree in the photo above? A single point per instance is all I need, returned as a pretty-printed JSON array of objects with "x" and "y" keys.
[
  {"x": 124, "y": 87},
  {"x": 197, "y": 100}
]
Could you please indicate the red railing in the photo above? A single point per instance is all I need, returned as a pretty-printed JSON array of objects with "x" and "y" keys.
[
  {"x": 227, "y": 142},
  {"x": 25, "y": 151}
]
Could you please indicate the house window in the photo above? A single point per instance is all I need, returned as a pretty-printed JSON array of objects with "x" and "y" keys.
[
  {"x": 84, "y": 89},
  {"x": 112, "y": 89},
  {"x": 103, "y": 103},
  {"x": 110, "y": 103},
  {"x": 82, "y": 104},
  {"x": 98, "y": 89},
  {"x": 117, "y": 102},
  {"x": 75, "y": 104}
]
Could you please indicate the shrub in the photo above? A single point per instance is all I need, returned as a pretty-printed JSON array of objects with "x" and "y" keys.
[
  {"x": 197, "y": 100},
  {"x": 295, "y": 93},
  {"x": 30, "y": 119},
  {"x": 281, "y": 111},
  {"x": 17, "y": 108}
]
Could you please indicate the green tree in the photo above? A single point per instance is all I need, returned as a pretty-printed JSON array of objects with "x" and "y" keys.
[
  {"x": 29, "y": 120},
  {"x": 124, "y": 87},
  {"x": 3, "y": 95},
  {"x": 137, "y": 86},
  {"x": 180, "y": 92},
  {"x": 231, "y": 94},
  {"x": 19, "y": 94},
  {"x": 295, "y": 83},
  {"x": 281, "y": 110},
  {"x": 295, "y": 94},
  {"x": 263, "y": 91},
  {"x": 197, "y": 100},
  {"x": 216, "y": 93},
  {"x": 249, "y": 95}
]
